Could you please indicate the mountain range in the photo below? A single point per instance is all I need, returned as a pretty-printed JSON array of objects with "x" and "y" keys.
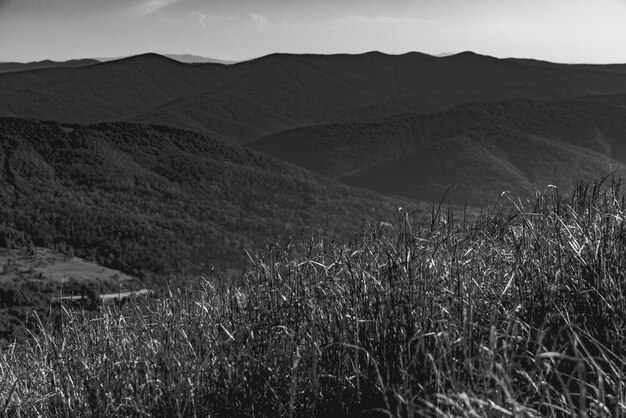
[
  {"x": 186, "y": 164},
  {"x": 245, "y": 101},
  {"x": 10, "y": 67}
]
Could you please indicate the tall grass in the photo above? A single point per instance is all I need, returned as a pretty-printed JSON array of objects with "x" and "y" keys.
[{"x": 516, "y": 312}]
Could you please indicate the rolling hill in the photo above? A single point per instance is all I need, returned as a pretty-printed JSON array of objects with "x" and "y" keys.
[
  {"x": 483, "y": 148},
  {"x": 157, "y": 201}
]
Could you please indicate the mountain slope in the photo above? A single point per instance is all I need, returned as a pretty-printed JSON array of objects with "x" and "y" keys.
[
  {"x": 478, "y": 171},
  {"x": 157, "y": 200},
  {"x": 109, "y": 91},
  {"x": 483, "y": 148}
]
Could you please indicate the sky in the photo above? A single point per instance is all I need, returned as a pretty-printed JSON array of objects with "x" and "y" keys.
[{"x": 569, "y": 31}]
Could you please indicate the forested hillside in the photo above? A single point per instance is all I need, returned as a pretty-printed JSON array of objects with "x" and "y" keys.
[
  {"x": 480, "y": 148},
  {"x": 157, "y": 200}
]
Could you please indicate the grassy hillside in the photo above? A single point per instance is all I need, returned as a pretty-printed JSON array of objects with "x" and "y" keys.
[
  {"x": 481, "y": 148},
  {"x": 505, "y": 314},
  {"x": 159, "y": 201}
]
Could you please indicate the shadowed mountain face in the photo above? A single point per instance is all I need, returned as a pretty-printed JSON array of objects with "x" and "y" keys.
[
  {"x": 159, "y": 200},
  {"x": 519, "y": 145}
]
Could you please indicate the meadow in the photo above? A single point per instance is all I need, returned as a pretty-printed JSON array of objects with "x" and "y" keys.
[{"x": 516, "y": 310}]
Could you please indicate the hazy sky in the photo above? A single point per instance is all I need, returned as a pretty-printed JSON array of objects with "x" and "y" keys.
[{"x": 556, "y": 30}]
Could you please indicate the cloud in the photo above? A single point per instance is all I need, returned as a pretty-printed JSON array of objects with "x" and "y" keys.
[
  {"x": 260, "y": 21},
  {"x": 152, "y": 6},
  {"x": 52, "y": 8},
  {"x": 384, "y": 20},
  {"x": 200, "y": 17},
  {"x": 289, "y": 25},
  {"x": 204, "y": 19}
]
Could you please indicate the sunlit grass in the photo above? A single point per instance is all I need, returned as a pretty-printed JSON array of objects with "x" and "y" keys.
[{"x": 508, "y": 313}]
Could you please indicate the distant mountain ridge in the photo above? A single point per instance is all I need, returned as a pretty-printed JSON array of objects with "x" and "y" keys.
[
  {"x": 248, "y": 100},
  {"x": 197, "y": 59},
  {"x": 9, "y": 67}
]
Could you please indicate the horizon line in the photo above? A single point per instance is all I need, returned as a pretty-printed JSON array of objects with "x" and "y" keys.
[{"x": 203, "y": 59}]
